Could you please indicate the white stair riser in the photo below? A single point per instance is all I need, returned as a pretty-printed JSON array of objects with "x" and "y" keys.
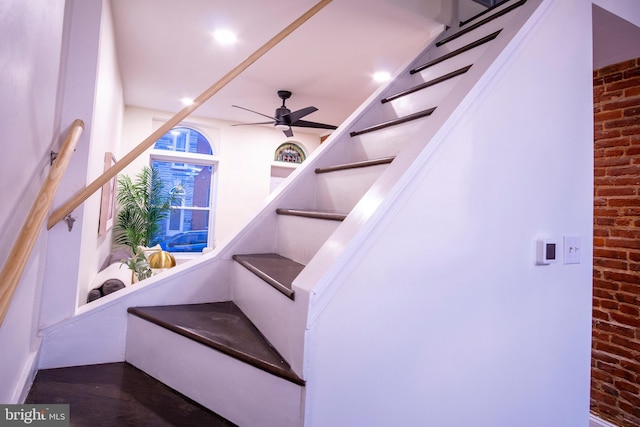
[
  {"x": 341, "y": 190},
  {"x": 237, "y": 391},
  {"x": 299, "y": 238},
  {"x": 422, "y": 99},
  {"x": 273, "y": 313},
  {"x": 442, "y": 68},
  {"x": 385, "y": 142}
]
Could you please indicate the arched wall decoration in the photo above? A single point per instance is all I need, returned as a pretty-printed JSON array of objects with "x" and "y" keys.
[{"x": 289, "y": 153}]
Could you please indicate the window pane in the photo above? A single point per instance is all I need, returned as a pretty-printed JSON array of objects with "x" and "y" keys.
[
  {"x": 193, "y": 181},
  {"x": 184, "y": 140},
  {"x": 184, "y": 230}
]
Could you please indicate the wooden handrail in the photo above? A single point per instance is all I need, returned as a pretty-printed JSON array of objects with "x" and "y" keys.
[
  {"x": 83, "y": 195},
  {"x": 19, "y": 255}
]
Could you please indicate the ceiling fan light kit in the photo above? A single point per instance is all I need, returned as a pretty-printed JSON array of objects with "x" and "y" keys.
[{"x": 284, "y": 118}]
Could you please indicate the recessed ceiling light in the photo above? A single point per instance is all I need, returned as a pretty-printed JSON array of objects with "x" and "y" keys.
[
  {"x": 381, "y": 76},
  {"x": 186, "y": 101},
  {"x": 224, "y": 37}
]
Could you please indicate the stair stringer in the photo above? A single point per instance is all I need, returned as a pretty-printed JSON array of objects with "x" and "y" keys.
[
  {"x": 318, "y": 278},
  {"x": 339, "y": 295}
]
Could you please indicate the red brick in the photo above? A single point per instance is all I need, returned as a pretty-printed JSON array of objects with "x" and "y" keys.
[
  {"x": 631, "y": 288},
  {"x": 626, "y": 233},
  {"x": 621, "y": 123},
  {"x": 602, "y": 315},
  {"x": 622, "y": 103},
  {"x": 599, "y": 375},
  {"x": 605, "y": 284},
  {"x": 629, "y": 309},
  {"x": 609, "y": 253},
  {"x": 618, "y": 276},
  {"x": 624, "y": 319},
  {"x": 623, "y": 342},
  {"x": 620, "y": 330},
  {"x": 609, "y": 263},
  {"x": 612, "y": 161},
  {"x": 633, "y": 72},
  {"x": 630, "y": 112},
  {"x": 618, "y": 180},
  {"x": 623, "y": 170},
  {"x": 626, "y": 298},
  {"x": 616, "y": 370},
  {"x": 622, "y": 84},
  {"x": 630, "y": 131},
  {"x": 632, "y": 151},
  {"x": 616, "y": 68},
  {"x": 604, "y": 135},
  {"x": 616, "y": 191},
  {"x": 623, "y": 243},
  {"x": 608, "y": 115},
  {"x": 608, "y": 304},
  {"x": 632, "y": 398},
  {"x": 631, "y": 366},
  {"x": 602, "y": 397}
]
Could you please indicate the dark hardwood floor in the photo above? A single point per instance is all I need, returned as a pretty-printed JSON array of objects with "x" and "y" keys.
[{"x": 118, "y": 394}]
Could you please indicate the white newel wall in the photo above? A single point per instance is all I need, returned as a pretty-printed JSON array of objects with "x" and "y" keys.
[
  {"x": 29, "y": 70},
  {"x": 445, "y": 320}
]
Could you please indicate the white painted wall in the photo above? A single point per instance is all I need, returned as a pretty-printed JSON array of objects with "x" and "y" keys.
[
  {"x": 29, "y": 70},
  {"x": 107, "y": 128},
  {"x": 459, "y": 327},
  {"x": 244, "y": 170},
  {"x": 91, "y": 80}
]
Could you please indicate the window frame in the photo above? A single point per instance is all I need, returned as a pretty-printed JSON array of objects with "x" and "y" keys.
[{"x": 206, "y": 160}]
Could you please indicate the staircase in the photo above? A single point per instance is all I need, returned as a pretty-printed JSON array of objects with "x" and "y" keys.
[{"x": 242, "y": 354}]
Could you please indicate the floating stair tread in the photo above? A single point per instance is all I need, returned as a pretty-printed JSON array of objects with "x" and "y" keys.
[
  {"x": 456, "y": 52},
  {"x": 398, "y": 121},
  {"x": 481, "y": 23},
  {"x": 223, "y": 327},
  {"x": 330, "y": 215},
  {"x": 275, "y": 269},
  {"x": 425, "y": 85},
  {"x": 355, "y": 165}
]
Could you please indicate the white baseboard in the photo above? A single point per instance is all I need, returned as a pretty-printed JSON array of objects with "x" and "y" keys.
[
  {"x": 29, "y": 371},
  {"x": 595, "y": 421}
]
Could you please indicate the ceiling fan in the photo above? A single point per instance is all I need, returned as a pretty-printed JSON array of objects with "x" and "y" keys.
[{"x": 284, "y": 118}]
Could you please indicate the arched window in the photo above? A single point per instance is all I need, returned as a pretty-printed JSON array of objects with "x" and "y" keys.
[
  {"x": 290, "y": 153},
  {"x": 185, "y": 160}
]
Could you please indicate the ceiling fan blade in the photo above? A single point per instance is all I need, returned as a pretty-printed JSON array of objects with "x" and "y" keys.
[
  {"x": 263, "y": 115},
  {"x": 247, "y": 124},
  {"x": 306, "y": 124},
  {"x": 288, "y": 133},
  {"x": 294, "y": 116}
]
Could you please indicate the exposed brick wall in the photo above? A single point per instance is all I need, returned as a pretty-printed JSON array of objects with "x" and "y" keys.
[{"x": 615, "y": 365}]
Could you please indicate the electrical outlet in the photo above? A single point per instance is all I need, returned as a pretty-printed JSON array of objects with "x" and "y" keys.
[{"x": 571, "y": 250}]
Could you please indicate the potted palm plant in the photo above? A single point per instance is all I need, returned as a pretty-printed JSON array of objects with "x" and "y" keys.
[{"x": 142, "y": 203}]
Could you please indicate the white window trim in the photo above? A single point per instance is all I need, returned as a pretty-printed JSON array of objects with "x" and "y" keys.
[{"x": 202, "y": 159}]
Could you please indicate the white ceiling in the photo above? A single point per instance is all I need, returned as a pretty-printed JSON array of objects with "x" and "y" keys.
[{"x": 166, "y": 52}]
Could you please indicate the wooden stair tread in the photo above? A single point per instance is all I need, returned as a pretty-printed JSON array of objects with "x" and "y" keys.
[
  {"x": 425, "y": 85},
  {"x": 330, "y": 215},
  {"x": 456, "y": 52},
  {"x": 399, "y": 120},
  {"x": 355, "y": 165},
  {"x": 223, "y": 327},
  {"x": 480, "y": 23},
  {"x": 274, "y": 269}
]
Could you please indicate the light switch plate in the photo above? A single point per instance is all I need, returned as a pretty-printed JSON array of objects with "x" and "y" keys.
[{"x": 571, "y": 250}]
